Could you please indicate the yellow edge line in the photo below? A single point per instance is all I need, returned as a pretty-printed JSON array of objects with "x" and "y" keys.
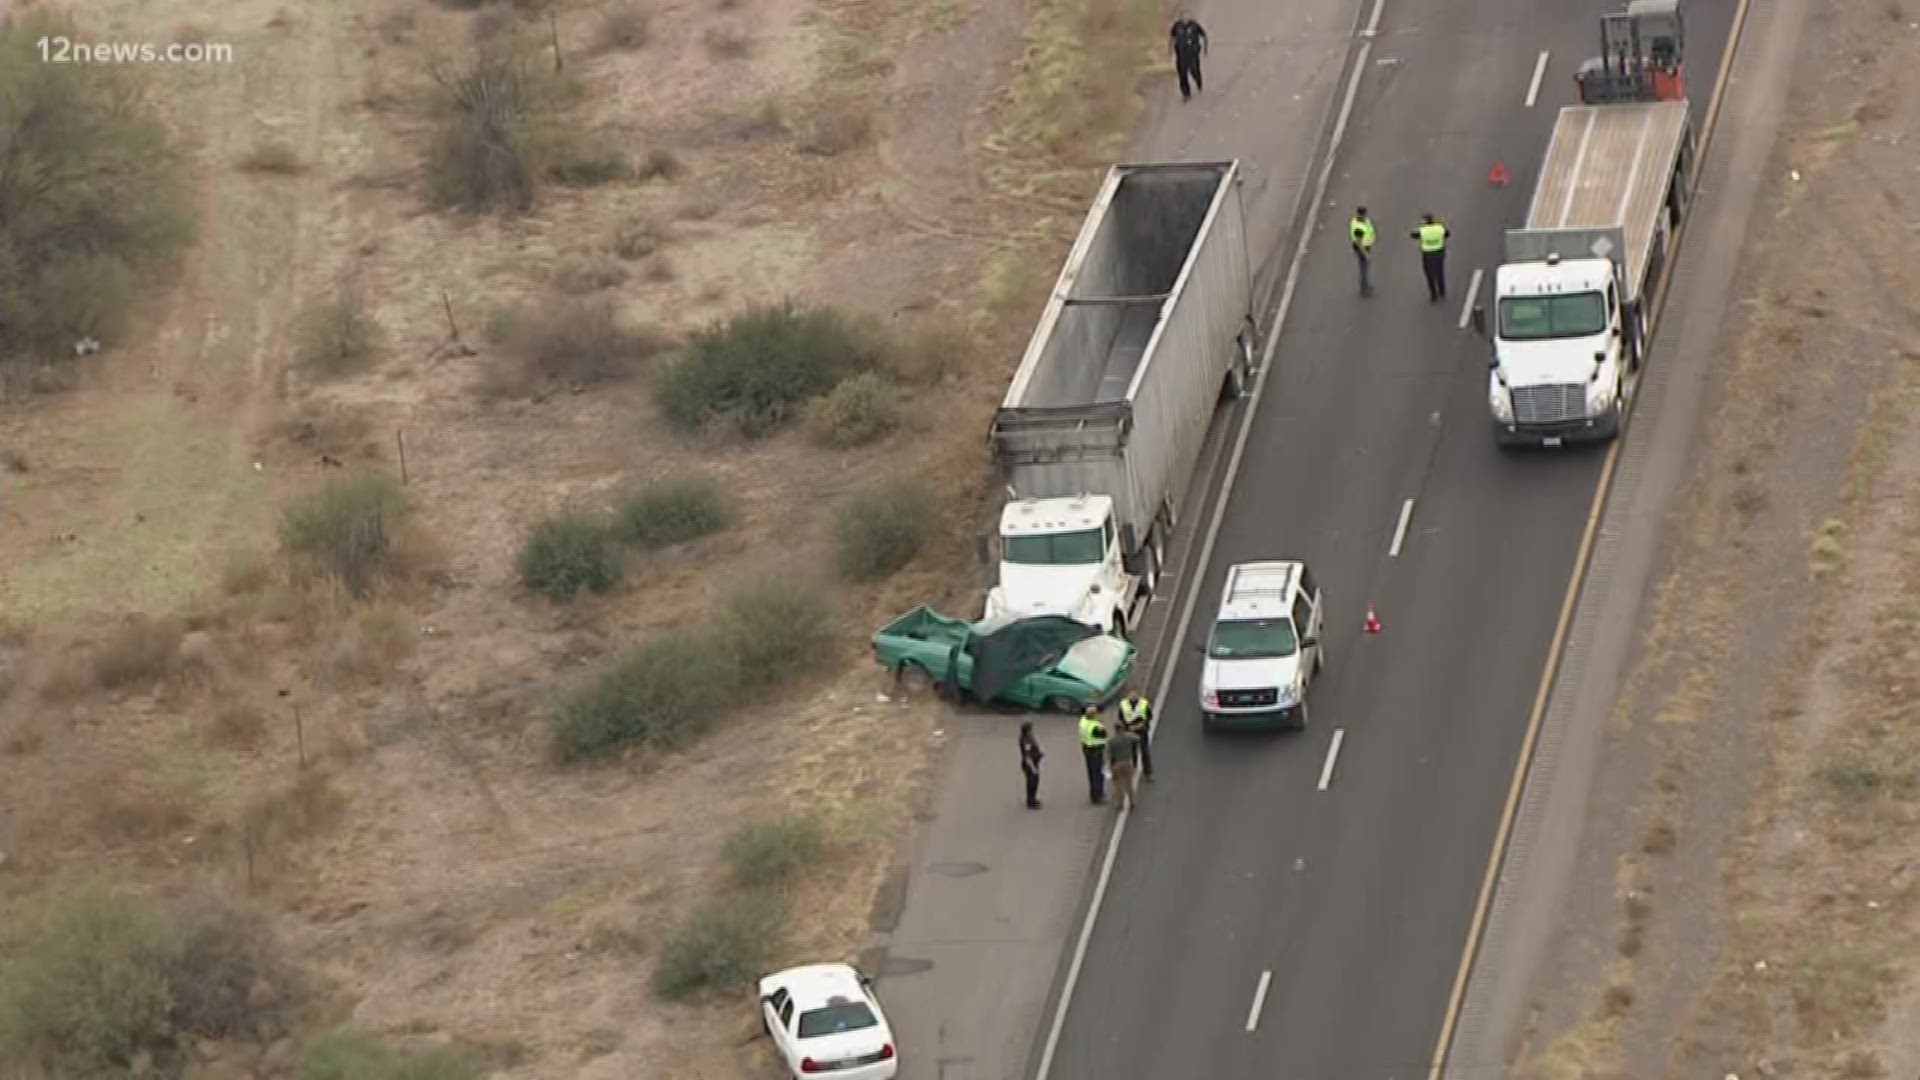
[{"x": 1585, "y": 552}]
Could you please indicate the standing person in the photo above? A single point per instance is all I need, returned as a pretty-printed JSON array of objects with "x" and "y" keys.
[
  {"x": 1030, "y": 755},
  {"x": 1360, "y": 231},
  {"x": 1433, "y": 235},
  {"x": 1136, "y": 715},
  {"x": 1120, "y": 753},
  {"x": 1093, "y": 747},
  {"x": 1189, "y": 44}
]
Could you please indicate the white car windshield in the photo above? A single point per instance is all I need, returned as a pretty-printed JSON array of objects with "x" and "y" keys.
[
  {"x": 1253, "y": 639},
  {"x": 836, "y": 1019}
]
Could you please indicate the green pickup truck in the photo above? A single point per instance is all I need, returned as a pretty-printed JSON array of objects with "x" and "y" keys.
[{"x": 1038, "y": 663}]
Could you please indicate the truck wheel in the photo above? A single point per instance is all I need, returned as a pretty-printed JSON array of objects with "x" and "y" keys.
[{"x": 916, "y": 679}]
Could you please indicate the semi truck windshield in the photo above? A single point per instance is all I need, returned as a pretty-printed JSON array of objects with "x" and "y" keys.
[
  {"x": 1536, "y": 318},
  {"x": 1056, "y": 549}
]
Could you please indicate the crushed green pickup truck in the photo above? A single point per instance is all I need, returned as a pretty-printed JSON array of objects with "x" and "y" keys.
[{"x": 1045, "y": 662}]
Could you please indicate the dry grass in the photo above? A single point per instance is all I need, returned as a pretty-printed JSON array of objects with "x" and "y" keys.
[
  {"x": 658, "y": 163},
  {"x": 624, "y": 24},
  {"x": 273, "y": 159},
  {"x": 237, "y": 726},
  {"x": 727, "y": 42},
  {"x": 573, "y": 344},
  {"x": 140, "y": 652},
  {"x": 838, "y": 128},
  {"x": 589, "y": 275},
  {"x": 639, "y": 237}
]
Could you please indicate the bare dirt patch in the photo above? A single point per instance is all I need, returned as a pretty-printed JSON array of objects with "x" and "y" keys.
[
  {"x": 356, "y": 731},
  {"x": 1764, "y": 919}
]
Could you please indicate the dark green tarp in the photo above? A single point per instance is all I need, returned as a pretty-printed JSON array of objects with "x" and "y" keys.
[{"x": 1007, "y": 654}]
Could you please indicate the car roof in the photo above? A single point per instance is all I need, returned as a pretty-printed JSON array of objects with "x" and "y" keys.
[
  {"x": 1259, "y": 590},
  {"x": 814, "y": 986}
]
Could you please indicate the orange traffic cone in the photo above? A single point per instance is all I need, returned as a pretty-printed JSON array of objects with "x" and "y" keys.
[
  {"x": 1498, "y": 175},
  {"x": 1373, "y": 621}
]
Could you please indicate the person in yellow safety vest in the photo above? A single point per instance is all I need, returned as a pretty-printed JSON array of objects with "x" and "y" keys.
[
  {"x": 1433, "y": 235},
  {"x": 1360, "y": 231},
  {"x": 1136, "y": 713},
  {"x": 1093, "y": 747}
]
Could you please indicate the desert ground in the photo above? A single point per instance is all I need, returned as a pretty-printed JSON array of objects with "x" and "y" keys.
[
  {"x": 332, "y": 577},
  {"x": 1756, "y": 913}
]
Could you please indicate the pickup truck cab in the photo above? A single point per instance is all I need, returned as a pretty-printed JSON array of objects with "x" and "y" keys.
[{"x": 1264, "y": 649}]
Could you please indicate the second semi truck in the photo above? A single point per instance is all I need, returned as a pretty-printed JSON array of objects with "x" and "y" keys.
[{"x": 1572, "y": 301}]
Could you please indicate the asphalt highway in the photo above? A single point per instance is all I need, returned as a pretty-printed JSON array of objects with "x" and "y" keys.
[{"x": 1258, "y": 924}]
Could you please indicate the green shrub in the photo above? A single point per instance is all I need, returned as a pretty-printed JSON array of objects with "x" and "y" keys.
[
  {"x": 756, "y": 371},
  {"x": 352, "y": 1055},
  {"x": 857, "y": 412},
  {"x": 343, "y": 529},
  {"x": 673, "y": 510},
  {"x": 774, "y": 630},
  {"x": 726, "y": 943},
  {"x": 769, "y": 853},
  {"x": 86, "y": 983},
  {"x": 664, "y": 693},
  {"x": 90, "y": 193},
  {"x": 228, "y": 973},
  {"x": 881, "y": 530},
  {"x": 335, "y": 335},
  {"x": 569, "y": 553}
]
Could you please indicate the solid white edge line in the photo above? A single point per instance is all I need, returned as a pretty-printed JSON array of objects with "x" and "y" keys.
[
  {"x": 1333, "y": 757},
  {"x": 1400, "y": 530},
  {"x": 1473, "y": 293},
  {"x": 1259, "y": 1000},
  {"x": 1539, "y": 70},
  {"x": 1179, "y": 629}
]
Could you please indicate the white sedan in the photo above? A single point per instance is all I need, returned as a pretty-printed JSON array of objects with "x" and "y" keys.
[{"x": 825, "y": 1021}]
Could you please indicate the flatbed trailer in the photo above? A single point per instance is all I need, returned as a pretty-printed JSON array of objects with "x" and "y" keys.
[{"x": 1614, "y": 166}]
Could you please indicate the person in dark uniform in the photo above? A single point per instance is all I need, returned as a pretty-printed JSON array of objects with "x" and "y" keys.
[
  {"x": 1189, "y": 44},
  {"x": 1432, "y": 235},
  {"x": 1030, "y": 755}
]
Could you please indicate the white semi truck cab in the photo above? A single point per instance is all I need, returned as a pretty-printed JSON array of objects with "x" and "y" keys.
[
  {"x": 1063, "y": 556},
  {"x": 1560, "y": 356}
]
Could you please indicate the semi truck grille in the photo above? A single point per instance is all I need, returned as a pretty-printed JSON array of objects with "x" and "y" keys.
[
  {"x": 1549, "y": 404},
  {"x": 1247, "y": 699}
]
